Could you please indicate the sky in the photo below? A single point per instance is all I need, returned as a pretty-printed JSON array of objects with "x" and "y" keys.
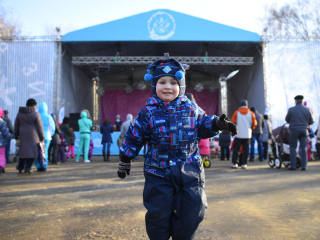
[{"x": 41, "y": 17}]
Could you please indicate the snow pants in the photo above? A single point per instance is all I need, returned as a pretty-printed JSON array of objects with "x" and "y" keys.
[
  {"x": 85, "y": 145},
  {"x": 175, "y": 204},
  {"x": 61, "y": 154},
  {"x": 70, "y": 151},
  {"x": 3, "y": 157}
]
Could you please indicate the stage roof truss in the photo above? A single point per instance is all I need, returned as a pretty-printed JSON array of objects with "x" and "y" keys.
[{"x": 145, "y": 60}]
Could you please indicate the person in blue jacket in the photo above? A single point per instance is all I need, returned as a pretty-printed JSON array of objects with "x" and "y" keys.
[
  {"x": 174, "y": 193},
  {"x": 85, "y": 125},
  {"x": 49, "y": 128}
]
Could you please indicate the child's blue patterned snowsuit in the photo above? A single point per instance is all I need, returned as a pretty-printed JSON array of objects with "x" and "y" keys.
[{"x": 174, "y": 188}]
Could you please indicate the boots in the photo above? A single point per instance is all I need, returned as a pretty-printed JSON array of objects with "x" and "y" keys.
[
  {"x": 108, "y": 155},
  {"x": 104, "y": 155}
]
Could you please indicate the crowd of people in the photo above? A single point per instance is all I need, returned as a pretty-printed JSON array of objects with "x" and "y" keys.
[
  {"x": 36, "y": 131},
  {"x": 254, "y": 127}
]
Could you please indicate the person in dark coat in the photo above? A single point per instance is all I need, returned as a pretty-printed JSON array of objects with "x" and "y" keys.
[
  {"x": 61, "y": 158},
  {"x": 66, "y": 129},
  {"x": 55, "y": 142},
  {"x": 9, "y": 124},
  {"x": 28, "y": 128},
  {"x": 106, "y": 130},
  {"x": 71, "y": 146},
  {"x": 299, "y": 118},
  {"x": 257, "y": 135},
  {"x": 224, "y": 143}
]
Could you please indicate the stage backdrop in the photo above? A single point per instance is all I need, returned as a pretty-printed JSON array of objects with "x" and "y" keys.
[{"x": 115, "y": 102}]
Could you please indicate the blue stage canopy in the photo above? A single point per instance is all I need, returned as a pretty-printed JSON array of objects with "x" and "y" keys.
[{"x": 161, "y": 25}]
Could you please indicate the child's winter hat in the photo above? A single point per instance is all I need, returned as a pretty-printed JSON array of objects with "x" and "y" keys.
[{"x": 167, "y": 67}]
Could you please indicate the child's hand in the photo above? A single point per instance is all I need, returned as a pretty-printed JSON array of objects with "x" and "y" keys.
[
  {"x": 124, "y": 169},
  {"x": 222, "y": 124}
]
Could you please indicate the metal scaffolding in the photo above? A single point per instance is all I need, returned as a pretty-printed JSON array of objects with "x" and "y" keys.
[
  {"x": 48, "y": 38},
  {"x": 145, "y": 60}
]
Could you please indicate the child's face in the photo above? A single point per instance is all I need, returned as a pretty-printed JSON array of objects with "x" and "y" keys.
[{"x": 167, "y": 88}]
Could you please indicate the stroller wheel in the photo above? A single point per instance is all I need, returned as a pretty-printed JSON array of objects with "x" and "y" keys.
[
  {"x": 277, "y": 163},
  {"x": 315, "y": 156},
  {"x": 271, "y": 162},
  {"x": 206, "y": 163},
  {"x": 286, "y": 165}
]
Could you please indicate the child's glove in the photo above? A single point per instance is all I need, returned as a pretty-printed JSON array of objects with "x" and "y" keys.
[
  {"x": 124, "y": 166},
  {"x": 222, "y": 124}
]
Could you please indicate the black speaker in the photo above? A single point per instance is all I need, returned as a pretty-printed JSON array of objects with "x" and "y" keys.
[{"x": 74, "y": 117}]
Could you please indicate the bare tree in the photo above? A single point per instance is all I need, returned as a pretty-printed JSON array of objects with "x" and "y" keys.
[
  {"x": 8, "y": 26},
  {"x": 301, "y": 19}
]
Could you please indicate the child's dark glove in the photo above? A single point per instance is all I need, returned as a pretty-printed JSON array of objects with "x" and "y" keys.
[
  {"x": 124, "y": 166},
  {"x": 222, "y": 124}
]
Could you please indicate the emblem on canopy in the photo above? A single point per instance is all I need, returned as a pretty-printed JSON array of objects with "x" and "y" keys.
[{"x": 161, "y": 26}]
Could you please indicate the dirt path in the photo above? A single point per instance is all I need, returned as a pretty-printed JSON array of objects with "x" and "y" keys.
[{"x": 88, "y": 201}]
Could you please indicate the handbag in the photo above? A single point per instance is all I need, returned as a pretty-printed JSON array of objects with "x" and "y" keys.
[{"x": 42, "y": 154}]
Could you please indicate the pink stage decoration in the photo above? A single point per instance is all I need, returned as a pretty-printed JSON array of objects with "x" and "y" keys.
[{"x": 115, "y": 102}]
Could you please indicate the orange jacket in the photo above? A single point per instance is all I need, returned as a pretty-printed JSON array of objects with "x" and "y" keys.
[{"x": 245, "y": 120}]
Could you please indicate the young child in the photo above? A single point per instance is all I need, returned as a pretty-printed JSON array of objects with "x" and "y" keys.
[
  {"x": 91, "y": 148},
  {"x": 174, "y": 176},
  {"x": 204, "y": 146},
  {"x": 71, "y": 146},
  {"x": 309, "y": 147},
  {"x": 4, "y": 136},
  {"x": 224, "y": 143},
  {"x": 62, "y": 148}
]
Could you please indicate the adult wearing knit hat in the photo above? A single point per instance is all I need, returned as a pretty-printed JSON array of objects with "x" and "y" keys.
[
  {"x": 28, "y": 128},
  {"x": 246, "y": 121}
]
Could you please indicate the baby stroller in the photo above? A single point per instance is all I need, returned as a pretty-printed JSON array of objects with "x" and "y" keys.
[{"x": 280, "y": 148}]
